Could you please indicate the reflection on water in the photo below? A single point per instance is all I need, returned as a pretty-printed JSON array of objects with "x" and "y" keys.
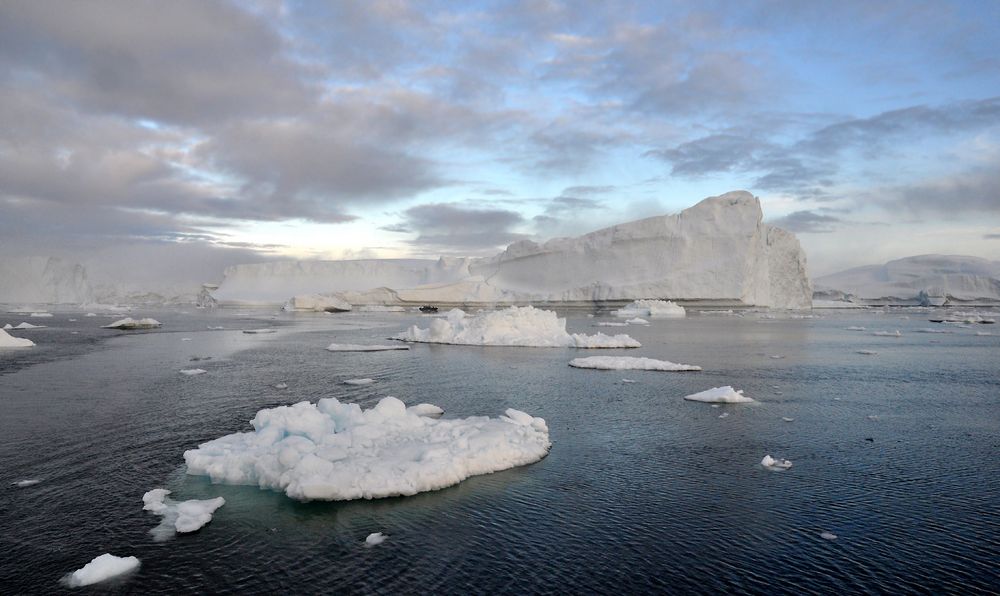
[{"x": 642, "y": 491}]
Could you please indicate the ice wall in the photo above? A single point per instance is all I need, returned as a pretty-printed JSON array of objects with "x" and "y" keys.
[
  {"x": 924, "y": 279},
  {"x": 43, "y": 280}
]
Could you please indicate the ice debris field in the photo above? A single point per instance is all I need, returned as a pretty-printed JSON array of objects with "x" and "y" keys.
[{"x": 334, "y": 451}]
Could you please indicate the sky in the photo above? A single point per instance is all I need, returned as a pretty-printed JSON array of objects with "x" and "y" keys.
[{"x": 170, "y": 139}]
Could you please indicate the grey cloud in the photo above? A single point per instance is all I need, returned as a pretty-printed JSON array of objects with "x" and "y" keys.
[
  {"x": 587, "y": 190},
  {"x": 449, "y": 227},
  {"x": 564, "y": 204},
  {"x": 991, "y": 236},
  {"x": 973, "y": 191},
  {"x": 807, "y": 222}
]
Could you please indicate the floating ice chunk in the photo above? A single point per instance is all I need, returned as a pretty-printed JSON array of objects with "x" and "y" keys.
[
  {"x": 9, "y": 341},
  {"x": 637, "y": 321},
  {"x": 100, "y": 569},
  {"x": 983, "y": 333},
  {"x": 525, "y": 326},
  {"x": 651, "y": 308},
  {"x": 263, "y": 331},
  {"x": 786, "y": 419},
  {"x": 178, "y": 516},
  {"x": 827, "y": 535},
  {"x": 855, "y": 328},
  {"x": 628, "y": 381},
  {"x": 26, "y": 483},
  {"x": 193, "y": 371},
  {"x": 776, "y": 356},
  {"x": 375, "y": 538},
  {"x": 185, "y": 339},
  {"x": 895, "y": 333},
  {"x": 428, "y": 410},
  {"x": 359, "y": 381},
  {"x": 90, "y": 314},
  {"x": 130, "y": 323},
  {"x": 724, "y": 415},
  {"x": 72, "y": 320},
  {"x": 610, "y": 324},
  {"x": 364, "y": 348},
  {"x": 868, "y": 352},
  {"x": 41, "y": 315},
  {"x": 775, "y": 465},
  {"x": 8, "y": 326},
  {"x": 930, "y": 330},
  {"x": 281, "y": 386},
  {"x": 215, "y": 327},
  {"x": 335, "y": 451},
  {"x": 629, "y": 363},
  {"x": 873, "y": 417},
  {"x": 25, "y": 325},
  {"x": 721, "y": 395}
]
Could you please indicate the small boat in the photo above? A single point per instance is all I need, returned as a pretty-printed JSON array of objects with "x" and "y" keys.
[{"x": 428, "y": 308}]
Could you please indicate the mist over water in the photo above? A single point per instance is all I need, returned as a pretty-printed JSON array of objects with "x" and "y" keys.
[{"x": 894, "y": 453}]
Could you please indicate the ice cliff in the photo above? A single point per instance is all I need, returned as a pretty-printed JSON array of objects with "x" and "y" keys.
[
  {"x": 718, "y": 250},
  {"x": 925, "y": 279},
  {"x": 43, "y": 280}
]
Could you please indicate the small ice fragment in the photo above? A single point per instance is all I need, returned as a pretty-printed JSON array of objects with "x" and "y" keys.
[
  {"x": 215, "y": 328},
  {"x": 723, "y": 395},
  {"x": 630, "y": 363},
  {"x": 716, "y": 406},
  {"x": 637, "y": 321},
  {"x": 8, "y": 326},
  {"x": 786, "y": 419},
  {"x": 364, "y": 348},
  {"x": 281, "y": 386},
  {"x": 628, "y": 381},
  {"x": 129, "y": 323},
  {"x": 90, "y": 314},
  {"x": 359, "y": 381},
  {"x": 610, "y": 324},
  {"x": 868, "y": 352},
  {"x": 25, "y": 483},
  {"x": 775, "y": 465},
  {"x": 895, "y": 333},
  {"x": 101, "y": 568},
  {"x": 193, "y": 371},
  {"x": 873, "y": 417},
  {"x": 827, "y": 535},
  {"x": 41, "y": 314},
  {"x": 26, "y": 325},
  {"x": 72, "y": 320},
  {"x": 185, "y": 339},
  {"x": 178, "y": 516},
  {"x": 776, "y": 356},
  {"x": 375, "y": 538},
  {"x": 724, "y": 415}
]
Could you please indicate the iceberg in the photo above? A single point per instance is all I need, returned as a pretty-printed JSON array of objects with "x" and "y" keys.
[
  {"x": 317, "y": 303},
  {"x": 651, "y": 308},
  {"x": 718, "y": 251},
  {"x": 129, "y": 323},
  {"x": 178, "y": 517},
  {"x": 9, "y": 341},
  {"x": 925, "y": 280},
  {"x": 335, "y": 451},
  {"x": 100, "y": 569},
  {"x": 522, "y": 326},
  {"x": 335, "y": 347},
  {"x": 43, "y": 280},
  {"x": 775, "y": 465},
  {"x": 720, "y": 395},
  {"x": 26, "y": 325},
  {"x": 629, "y": 363}
]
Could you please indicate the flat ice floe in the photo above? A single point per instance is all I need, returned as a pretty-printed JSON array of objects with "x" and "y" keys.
[
  {"x": 651, "y": 308},
  {"x": 263, "y": 331},
  {"x": 365, "y": 381},
  {"x": 9, "y": 341},
  {"x": 895, "y": 333},
  {"x": 363, "y": 348},
  {"x": 525, "y": 326},
  {"x": 26, "y": 483},
  {"x": 193, "y": 371},
  {"x": 178, "y": 516},
  {"x": 100, "y": 569},
  {"x": 26, "y": 325},
  {"x": 720, "y": 395},
  {"x": 775, "y": 465},
  {"x": 629, "y": 363},
  {"x": 130, "y": 323},
  {"x": 334, "y": 451}
]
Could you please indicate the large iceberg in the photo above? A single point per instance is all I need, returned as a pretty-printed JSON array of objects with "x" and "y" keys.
[
  {"x": 928, "y": 280},
  {"x": 524, "y": 326},
  {"x": 718, "y": 251},
  {"x": 43, "y": 280},
  {"x": 335, "y": 451},
  {"x": 9, "y": 341}
]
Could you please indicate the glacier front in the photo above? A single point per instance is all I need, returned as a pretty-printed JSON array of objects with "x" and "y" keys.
[{"x": 718, "y": 251}]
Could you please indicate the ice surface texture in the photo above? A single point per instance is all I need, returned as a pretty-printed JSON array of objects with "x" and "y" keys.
[
  {"x": 523, "y": 326},
  {"x": 333, "y": 451}
]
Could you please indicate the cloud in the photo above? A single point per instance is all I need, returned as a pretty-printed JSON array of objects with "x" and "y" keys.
[
  {"x": 991, "y": 236},
  {"x": 807, "y": 222},
  {"x": 973, "y": 191},
  {"x": 450, "y": 227}
]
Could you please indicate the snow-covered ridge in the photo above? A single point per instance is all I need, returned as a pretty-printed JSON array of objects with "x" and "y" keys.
[
  {"x": 925, "y": 280},
  {"x": 717, "y": 250}
]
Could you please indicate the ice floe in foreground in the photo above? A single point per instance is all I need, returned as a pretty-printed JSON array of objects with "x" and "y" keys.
[
  {"x": 363, "y": 348},
  {"x": 335, "y": 451},
  {"x": 365, "y": 381},
  {"x": 130, "y": 323},
  {"x": 193, "y": 371},
  {"x": 178, "y": 516},
  {"x": 100, "y": 569},
  {"x": 854, "y": 328},
  {"x": 775, "y": 465},
  {"x": 9, "y": 341},
  {"x": 375, "y": 538},
  {"x": 525, "y": 326},
  {"x": 720, "y": 395},
  {"x": 629, "y": 363},
  {"x": 651, "y": 308}
]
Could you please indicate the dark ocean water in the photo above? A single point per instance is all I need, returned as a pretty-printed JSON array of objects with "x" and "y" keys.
[{"x": 642, "y": 492}]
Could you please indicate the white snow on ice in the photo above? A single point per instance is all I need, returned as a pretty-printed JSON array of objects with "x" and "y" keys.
[
  {"x": 178, "y": 516},
  {"x": 364, "y": 348},
  {"x": 335, "y": 451},
  {"x": 523, "y": 326},
  {"x": 720, "y": 395},
  {"x": 100, "y": 569},
  {"x": 26, "y": 483},
  {"x": 629, "y": 363}
]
